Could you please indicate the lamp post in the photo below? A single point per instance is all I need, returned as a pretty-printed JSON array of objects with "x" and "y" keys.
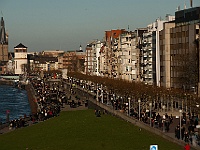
[
  {"x": 129, "y": 105},
  {"x": 139, "y": 101},
  {"x": 150, "y": 104},
  {"x": 112, "y": 101},
  {"x": 97, "y": 93},
  {"x": 163, "y": 118},
  {"x": 101, "y": 93},
  {"x": 197, "y": 105},
  {"x": 180, "y": 121}
]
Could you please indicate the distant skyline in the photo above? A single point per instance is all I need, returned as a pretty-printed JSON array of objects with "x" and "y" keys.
[{"x": 65, "y": 24}]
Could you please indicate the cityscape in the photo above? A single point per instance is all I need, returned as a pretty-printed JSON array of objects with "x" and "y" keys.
[
  {"x": 149, "y": 76},
  {"x": 165, "y": 53}
]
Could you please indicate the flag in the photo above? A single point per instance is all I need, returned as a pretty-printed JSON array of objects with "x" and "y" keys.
[{"x": 7, "y": 111}]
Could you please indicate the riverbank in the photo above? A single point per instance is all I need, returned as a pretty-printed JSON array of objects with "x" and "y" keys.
[
  {"x": 32, "y": 98},
  {"x": 30, "y": 93}
]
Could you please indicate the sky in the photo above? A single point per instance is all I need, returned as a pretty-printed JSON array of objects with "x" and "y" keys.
[{"x": 65, "y": 24}]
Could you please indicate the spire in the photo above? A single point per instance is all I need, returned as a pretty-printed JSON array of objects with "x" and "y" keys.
[
  {"x": 80, "y": 48},
  {"x": 2, "y": 32}
]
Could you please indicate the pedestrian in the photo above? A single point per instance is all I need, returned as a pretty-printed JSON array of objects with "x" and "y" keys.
[{"x": 187, "y": 146}]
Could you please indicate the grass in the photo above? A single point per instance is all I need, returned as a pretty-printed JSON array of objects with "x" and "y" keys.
[{"x": 82, "y": 130}]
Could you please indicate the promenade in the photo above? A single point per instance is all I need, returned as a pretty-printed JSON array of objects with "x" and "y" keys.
[{"x": 94, "y": 104}]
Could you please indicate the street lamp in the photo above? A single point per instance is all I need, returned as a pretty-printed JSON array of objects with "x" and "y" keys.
[
  {"x": 163, "y": 118},
  {"x": 129, "y": 105},
  {"x": 180, "y": 121},
  {"x": 198, "y": 117},
  {"x": 97, "y": 93},
  {"x": 139, "y": 101},
  {"x": 101, "y": 93},
  {"x": 150, "y": 104},
  {"x": 112, "y": 101}
]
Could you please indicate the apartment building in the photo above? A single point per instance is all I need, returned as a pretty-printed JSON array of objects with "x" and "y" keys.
[
  {"x": 42, "y": 63},
  {"x": 55, "y": 53},
  {"x": 151, "y": 51},
  {"x": 165, "y": 54},
  {"x": 111, "y": 40},
  {"x": 74, "y": 60},
  {"x": 184, "y": 49},
  {"x": 128, "y": 56},
  {"x": 92, "y": 59}
]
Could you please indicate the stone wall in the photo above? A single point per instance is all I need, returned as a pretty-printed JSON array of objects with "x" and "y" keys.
[
  {"x": 6, "y": 82},
  {"x": 32, "y": 98}
]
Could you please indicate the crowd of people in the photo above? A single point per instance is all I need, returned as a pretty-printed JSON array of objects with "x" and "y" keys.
[
  {"x": 164, "y": 122},
  {"x": 187, "y": 131},
  {"x": 50, "y": 97}
]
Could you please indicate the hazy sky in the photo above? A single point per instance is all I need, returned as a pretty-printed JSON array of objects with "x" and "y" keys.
[{"x": 65, "y": 24}]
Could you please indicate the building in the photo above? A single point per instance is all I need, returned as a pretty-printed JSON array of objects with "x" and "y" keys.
[
  {"x": 10, "y": 64},
  {"x": 165, "y": 54},
  {"x": 127, "y": 56},
  {"x": 52, "y": 53},
  {"x": 111, "y": 40},
  {"x": 151, "y": 51},
  {"x": 20, "y": 52},
  {"x": 74, "y": 61},
  {"x": 3, "y": 47},
  {"x": 184, "y": 49},
  {"x": 42, "y": 63},
  {"x": 55, "y": 53},
  {"x": 92, "y": 58}
]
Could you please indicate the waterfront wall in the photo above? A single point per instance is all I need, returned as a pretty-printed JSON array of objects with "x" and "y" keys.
[
  {"x": 30, "y": 93},
  {"x": 6, "y": 82},
  {"x": 32, "y": 98}
]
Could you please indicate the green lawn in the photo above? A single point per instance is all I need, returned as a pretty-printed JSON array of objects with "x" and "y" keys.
[{"x": 82, "y": 130}]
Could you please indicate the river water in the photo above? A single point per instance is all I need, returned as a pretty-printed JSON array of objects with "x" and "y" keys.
[{"x": 13, "y": 101}]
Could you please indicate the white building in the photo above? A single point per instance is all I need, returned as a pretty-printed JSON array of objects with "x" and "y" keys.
[
  {"x": 92, "y": 65},
  {"x": 20, "y": 52},
  {"x": 151, "y": 51}
]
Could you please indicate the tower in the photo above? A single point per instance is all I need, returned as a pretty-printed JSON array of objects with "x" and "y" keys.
[
  {"x": 20, "y": 58},
  {"x": 3, "y": 42}
]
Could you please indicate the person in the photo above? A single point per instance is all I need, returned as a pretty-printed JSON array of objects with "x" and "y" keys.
[{"x": 187, "y": 146}]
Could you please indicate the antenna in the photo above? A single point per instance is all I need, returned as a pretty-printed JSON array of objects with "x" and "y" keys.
[{"x": 128, "y": 28}]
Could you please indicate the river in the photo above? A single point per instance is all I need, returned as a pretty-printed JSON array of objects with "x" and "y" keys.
[{"x": 13, "y": 101}]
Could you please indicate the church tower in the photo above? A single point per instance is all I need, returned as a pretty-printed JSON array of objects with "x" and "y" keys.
[{"x": 3, "y": 42}]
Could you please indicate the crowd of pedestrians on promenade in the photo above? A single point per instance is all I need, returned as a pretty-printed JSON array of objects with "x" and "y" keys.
[
  {"x": 187, "y": 130},
  {"x": 50, "y": 97},
  {"x": 18, "y": 123},
  {"x": 164, "y": 122}
]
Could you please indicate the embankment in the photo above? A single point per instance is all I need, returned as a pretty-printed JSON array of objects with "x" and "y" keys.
[
  {"x": 6, "y": 82},
  {"x": 32, "y": 98}
]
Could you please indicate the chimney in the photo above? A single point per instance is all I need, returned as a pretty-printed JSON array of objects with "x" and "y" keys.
[{"x": 191, "y": 3}]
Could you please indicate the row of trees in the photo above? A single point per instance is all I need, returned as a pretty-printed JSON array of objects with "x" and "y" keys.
[{"x": 139, "y": 90}]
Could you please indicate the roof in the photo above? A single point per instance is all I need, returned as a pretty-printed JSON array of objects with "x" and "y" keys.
[
  {"x": 44, "y": 59},
  {"x": 20, "y": 46}
]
